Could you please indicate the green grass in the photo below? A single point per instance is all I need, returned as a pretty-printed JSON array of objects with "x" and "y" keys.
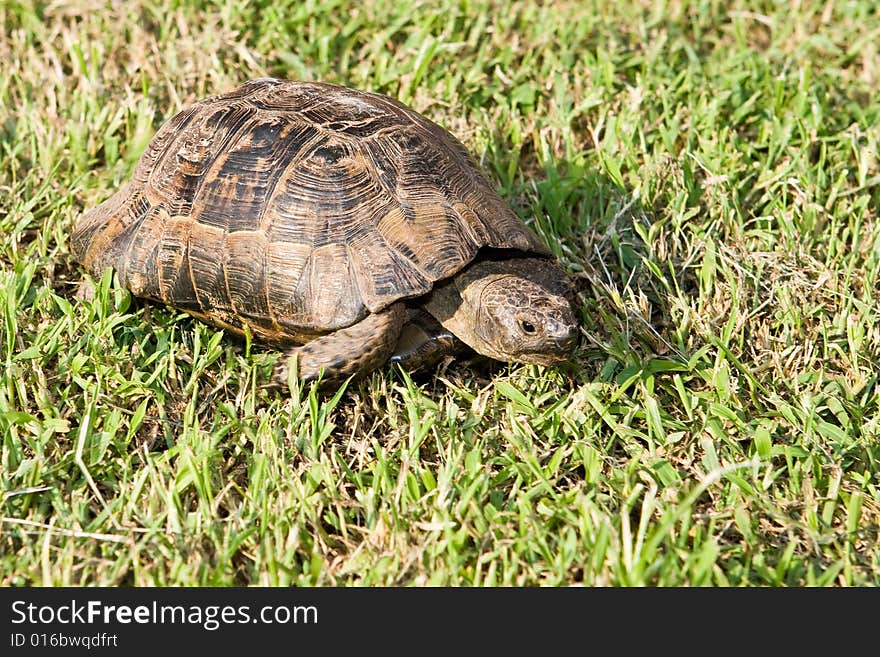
[{"x": 707, "y": 171}]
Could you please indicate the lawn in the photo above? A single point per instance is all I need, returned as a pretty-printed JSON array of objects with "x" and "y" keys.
[{"x": 707, "y": 172}]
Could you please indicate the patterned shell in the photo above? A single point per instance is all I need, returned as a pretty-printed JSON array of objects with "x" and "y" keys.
[{"x": 296, "y": 208}]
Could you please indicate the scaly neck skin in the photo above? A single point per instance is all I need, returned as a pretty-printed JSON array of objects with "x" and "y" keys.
[{"x": 454, "y": 313}]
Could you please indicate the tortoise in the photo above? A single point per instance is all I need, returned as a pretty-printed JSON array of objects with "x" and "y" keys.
[{"x": 337, "y": 223}]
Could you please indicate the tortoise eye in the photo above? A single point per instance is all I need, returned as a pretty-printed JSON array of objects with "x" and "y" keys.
[{"x": 527, "y": 327}]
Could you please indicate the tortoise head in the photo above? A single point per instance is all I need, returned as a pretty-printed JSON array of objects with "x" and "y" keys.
[{"x": 512, "y": 310}]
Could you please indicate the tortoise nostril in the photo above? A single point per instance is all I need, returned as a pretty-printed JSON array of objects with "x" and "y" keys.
[
  {"x": 564, "y": 335},
  {"x": 556, "y": 330}
]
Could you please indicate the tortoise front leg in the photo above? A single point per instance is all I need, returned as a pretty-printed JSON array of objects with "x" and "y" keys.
[
  {"x": 357, "y": 349},
  {"x": 423, "y": 342}
]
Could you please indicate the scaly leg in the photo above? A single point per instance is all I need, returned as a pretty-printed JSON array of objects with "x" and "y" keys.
[
  {"x": 423, "y": 342},
  {"x": 357, "y": 349}
]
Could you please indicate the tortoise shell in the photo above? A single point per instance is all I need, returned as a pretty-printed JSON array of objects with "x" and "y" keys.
[{"x": 296, "y": 208}]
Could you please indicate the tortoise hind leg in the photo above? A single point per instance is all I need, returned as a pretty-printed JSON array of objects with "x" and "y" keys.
[{"x": 357, "y": 349}]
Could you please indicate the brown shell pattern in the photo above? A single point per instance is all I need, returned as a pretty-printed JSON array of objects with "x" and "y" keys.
[{"x": 296, "y": 208}]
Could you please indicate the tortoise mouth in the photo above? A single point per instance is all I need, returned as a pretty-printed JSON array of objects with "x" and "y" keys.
[
  {"x": 541, "y": 359},
  {"x": 555, "y": 351},
  {"x": 544, "y": 357}
]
